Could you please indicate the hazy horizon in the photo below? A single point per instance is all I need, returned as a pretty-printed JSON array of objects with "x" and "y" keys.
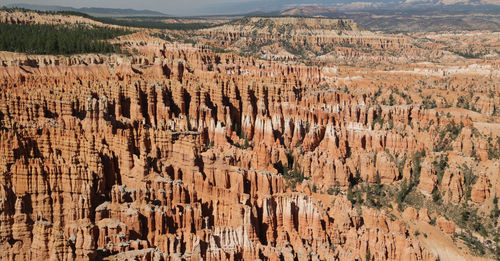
[
  {"x": 224, "y": 7},
  {"x": 185, "y": 7}
]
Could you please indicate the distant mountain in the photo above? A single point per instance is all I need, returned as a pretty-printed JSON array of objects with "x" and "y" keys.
[
  {"x": 94, "y": 11},
  {"x": 298, "y": 7},
  {"x": 427, "y": 15},
  {"x": 312, "y": 10}
]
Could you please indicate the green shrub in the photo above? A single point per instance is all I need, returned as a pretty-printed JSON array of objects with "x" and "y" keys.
[
  {"x": 447, "y": 135},
  {"x": 472, "y": 243},
  {"x": 440, "y": 164},
  {"x": 494, "y": 149}
]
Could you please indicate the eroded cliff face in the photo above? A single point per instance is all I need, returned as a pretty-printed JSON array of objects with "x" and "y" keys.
[
  {"x": 99, "y": 159},
  {"x": 15, "y": 16},
  {"x": 179, "y": 152},
  {"x": 318, "y": 39}
]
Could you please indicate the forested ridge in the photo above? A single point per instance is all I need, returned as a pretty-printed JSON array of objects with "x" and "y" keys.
[
  {"x": 151, "y": 22},
  {"x": 57, "y": 39},
  {"x": 139, "y": 22}
]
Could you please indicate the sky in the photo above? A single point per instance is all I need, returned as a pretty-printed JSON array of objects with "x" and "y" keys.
[{"x": 172, "y": 7}]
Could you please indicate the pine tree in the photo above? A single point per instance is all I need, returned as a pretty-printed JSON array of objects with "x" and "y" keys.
[{"x": 57, "y": 39}]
